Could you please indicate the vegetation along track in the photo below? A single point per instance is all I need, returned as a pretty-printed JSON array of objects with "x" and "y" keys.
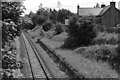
[
  {"x": 72, "y": 73},
  {"x": 37, "y": 65},
  {"x": 65, "y": 67}
]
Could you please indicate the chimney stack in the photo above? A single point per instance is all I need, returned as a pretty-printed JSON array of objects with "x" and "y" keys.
[
  {"x": 113, "y": 14},
  {"x": 103, "y": 5},
  {"x": 112, "y": 4},
  {"x": 78, "y": 7}
]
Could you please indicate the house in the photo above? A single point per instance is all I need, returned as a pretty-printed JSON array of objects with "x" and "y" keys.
[{"x": 108, "y": 16}]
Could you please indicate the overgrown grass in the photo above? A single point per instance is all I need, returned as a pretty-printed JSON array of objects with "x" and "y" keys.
[
  {"x": 113, "y": 30},
  {"x": 61, "y": 37},
  {"x": 103, "y": 48},
  {"x": 49, "y": 34},
  {"x": 107, "y": 53},
  {"x": 106, "y": 38}
]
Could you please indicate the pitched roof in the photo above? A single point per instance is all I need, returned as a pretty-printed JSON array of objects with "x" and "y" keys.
[
  {"x": 104, "y": 10},
  {"x": 89, "y": 11},
  {"x": 93, "y": 11}
]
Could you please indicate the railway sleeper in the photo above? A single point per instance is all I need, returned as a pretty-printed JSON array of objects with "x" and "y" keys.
[{"x": 72, "y": 75}]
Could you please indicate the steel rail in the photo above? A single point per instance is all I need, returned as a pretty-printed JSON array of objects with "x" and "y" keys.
[
  {"x": 36, "y": 54},
  {"x": 78, "y": 76},
  {"x": 28, "y": 59}
]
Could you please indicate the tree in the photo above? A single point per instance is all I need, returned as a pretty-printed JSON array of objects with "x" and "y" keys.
[
  {"x": 47, "y": 25},
  {"x": 80, "y": 32},
  {"x": 31, "y": 14},
  {"x": 58, "y": 28},
  {"x": 40, "y": 16},
  {"x": 26, "y": 22},
  {"x": 63, "y": 14},
  {"x": 34, "y": 20},
  {"x": 53, "y": 15},
  {"x": 11, "y": 12},
  {"x": 97, "y": 6}
]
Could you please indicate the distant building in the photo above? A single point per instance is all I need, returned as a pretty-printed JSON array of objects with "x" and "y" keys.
[{"x": 108, "y": 16}]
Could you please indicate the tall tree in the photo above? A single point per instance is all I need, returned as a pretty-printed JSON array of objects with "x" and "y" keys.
[
  {"x": 97, "y": 6},
  {"x": 63, "y": 14},
  {"x": 53, "y": 15},
  {"x": 11, "y": 12}
]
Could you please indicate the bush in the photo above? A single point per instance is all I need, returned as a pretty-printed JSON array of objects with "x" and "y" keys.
[
  {"x": 115, "y": 61},
  {"x": 118, "y": 49},
  {"x": 40, "y": 20},
  {"x": 49, "y": 34},
  {"x": 82, "y": 31},
  {"x": 99, "y": 52},
  {"x": 9, "y": 31},
  {"x": 70, "y": 43},
  {"x": 47, "y": 25},
  {"x": 61, "y": 37},
  {"x": 34, "y": 20},
  {"x": 106, "y": 53},
  {"x": 106, "y": 38},
  {"x": 27, "y": 23},
  {"x": 100, "y": 28},
  {"x": 113, "y": 30},
  {"x": 58, "y": 28}
]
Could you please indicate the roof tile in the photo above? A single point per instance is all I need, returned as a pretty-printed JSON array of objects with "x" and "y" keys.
[{"x": 93, "y": 11}]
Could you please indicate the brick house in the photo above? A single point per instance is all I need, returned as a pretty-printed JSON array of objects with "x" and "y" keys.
[{"x": 108, "y": 16}]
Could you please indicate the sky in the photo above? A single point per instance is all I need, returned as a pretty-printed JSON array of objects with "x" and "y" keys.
[{"x": 33, "y": 5}]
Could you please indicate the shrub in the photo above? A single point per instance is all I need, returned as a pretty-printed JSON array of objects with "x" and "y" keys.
[
  {"x": 113, "y": 30},
  {"x": 40, "y": 20},
  {"x": 115, "y": 61},
  {"x": 106, "y": 38},
  {"x": 99, "y": 52},
  {"x": 49, "y": 34},
  {"x": 34, "y": 20},
  {"x": 106, "y": 53},
  {"x": 70, "y": 43},
  {"x": 100, "y": 28},
  {"x": 72, "y": 29},
  {"x": 47, "y": 25},
  {"x": 81, "y": 32},
  {"x": 58, "y": 28},
  {"x": 118, "y": 49},
  {"x": 61, "y": 37}
]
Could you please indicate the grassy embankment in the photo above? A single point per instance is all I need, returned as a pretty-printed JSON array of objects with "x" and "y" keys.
[{"x": 95, "y": 60}]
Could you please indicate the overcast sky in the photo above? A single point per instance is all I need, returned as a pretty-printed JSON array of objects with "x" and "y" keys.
[{"x": 32, "y": 5}]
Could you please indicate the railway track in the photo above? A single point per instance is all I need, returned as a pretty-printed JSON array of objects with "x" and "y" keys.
[
  {"x": 70, "y": 72},
  {"x": 37, "y": 66}
]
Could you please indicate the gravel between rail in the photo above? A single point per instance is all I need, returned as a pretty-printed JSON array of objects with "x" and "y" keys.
[{"x": 51, "y": 65}]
